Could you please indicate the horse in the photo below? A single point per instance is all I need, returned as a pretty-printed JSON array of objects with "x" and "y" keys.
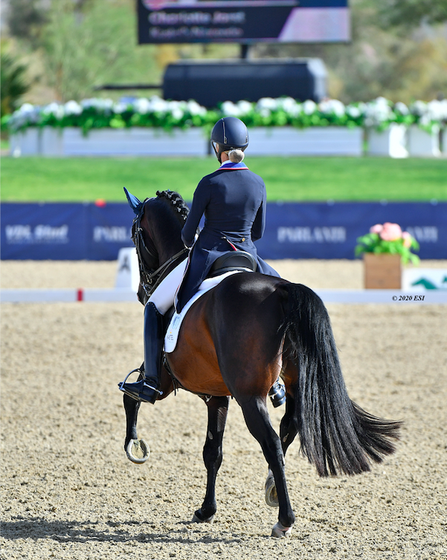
[{"x": 235, "y": 341}]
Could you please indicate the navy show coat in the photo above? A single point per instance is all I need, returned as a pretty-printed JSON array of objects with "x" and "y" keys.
[{"x": 233, "y": 199}]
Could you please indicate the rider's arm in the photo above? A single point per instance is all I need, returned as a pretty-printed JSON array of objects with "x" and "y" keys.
[
  {"x": 257, "y": 230},
  {"x": 199, "y": 203}
]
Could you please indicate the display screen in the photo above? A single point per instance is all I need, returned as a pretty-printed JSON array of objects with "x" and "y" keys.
[{"x": 243, "y": 21}]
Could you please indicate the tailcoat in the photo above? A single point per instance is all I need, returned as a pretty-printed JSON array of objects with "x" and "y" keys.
[{"x": 233, "y": 200}]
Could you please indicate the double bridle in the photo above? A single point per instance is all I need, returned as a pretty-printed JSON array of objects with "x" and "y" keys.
[{"x": 150, "y": 278}]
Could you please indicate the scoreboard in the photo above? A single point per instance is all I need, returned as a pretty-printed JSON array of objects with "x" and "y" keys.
[{"x": 243, "y": 21}]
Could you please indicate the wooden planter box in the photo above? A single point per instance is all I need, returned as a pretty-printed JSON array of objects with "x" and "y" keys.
[
  {"x": 422, "y": 143},
  {"x": 391, "y": 142},
  {"x": 313, "y": 141},
  {"x": 111, "y": 142},
  {"x": 287, "y": 141},
  {"x": 382, "y": 272}
]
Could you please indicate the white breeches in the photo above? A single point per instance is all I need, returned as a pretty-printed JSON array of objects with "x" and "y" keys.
[{"x": 163, "y": 296}]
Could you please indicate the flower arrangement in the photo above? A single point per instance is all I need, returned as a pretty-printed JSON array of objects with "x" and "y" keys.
[
  {"x": 430, "y": 116},
  {"x": 389, "y": 239},
  {"x": 104, "y": 113},
  {"x": 285, "y": 111}
]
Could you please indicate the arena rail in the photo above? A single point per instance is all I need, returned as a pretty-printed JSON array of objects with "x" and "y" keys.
[{"x": 115, "y": 295}]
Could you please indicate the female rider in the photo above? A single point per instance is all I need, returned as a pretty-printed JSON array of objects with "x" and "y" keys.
[{"x": 233, "y": 199}]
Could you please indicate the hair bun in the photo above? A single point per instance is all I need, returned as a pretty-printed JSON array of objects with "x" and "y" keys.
[{"x": 236, "y": 155}]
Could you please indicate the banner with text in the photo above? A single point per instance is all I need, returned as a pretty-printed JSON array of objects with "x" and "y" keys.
[
  {"x": 243, "y": 21},
  {"x": 64, "y": 231}
]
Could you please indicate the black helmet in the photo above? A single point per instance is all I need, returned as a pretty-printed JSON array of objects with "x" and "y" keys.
[{"x": 229, "y": 133}]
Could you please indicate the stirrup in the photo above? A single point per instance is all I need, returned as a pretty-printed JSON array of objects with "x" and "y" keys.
[
  {"x": 132, "y": 394},
  {"x": 121, "y": 383}
]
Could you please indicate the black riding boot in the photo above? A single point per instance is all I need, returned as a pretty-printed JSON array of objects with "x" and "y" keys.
[
  {"x": 147, "y": 389},
  {"x": 277, "y": 394}
]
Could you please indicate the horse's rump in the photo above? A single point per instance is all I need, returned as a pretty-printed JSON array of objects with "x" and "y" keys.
[{"x": 229, "y": 334}]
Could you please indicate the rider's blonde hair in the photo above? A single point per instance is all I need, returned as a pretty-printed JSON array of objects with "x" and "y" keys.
[{"x": 236, "y": 155}]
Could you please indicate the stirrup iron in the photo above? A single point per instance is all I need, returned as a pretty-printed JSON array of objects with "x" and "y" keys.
[
  {"x": 122, "y": 388},
  {"x": 121, "y": 383}
]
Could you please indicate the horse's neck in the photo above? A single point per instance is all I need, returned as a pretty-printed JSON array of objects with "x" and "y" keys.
[{"x": 167, "y": 245}]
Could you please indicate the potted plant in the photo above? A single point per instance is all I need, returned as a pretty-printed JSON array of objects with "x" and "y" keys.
[{"x": 385, "y": 249}]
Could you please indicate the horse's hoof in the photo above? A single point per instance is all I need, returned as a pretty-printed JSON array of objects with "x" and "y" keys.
[
  {"x": 271, "y": 496},
  {"x": 198, "y": 519},
  {"x": 280, "y": 531},
  {"x": 137, "y": 451}
]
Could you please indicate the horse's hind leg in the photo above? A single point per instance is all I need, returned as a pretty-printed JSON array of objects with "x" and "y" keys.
[
  {"x": 258, "y": 422},
  {"x": 287, "y": 433},
  {"x": 289, "y": 426},
  {"x": 212, "y": 455}
]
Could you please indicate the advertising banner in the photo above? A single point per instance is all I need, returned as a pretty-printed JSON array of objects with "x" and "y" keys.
[
  {"x": 243, "y": 21},
  {"x": 64, "y": 231},
  {"x": 308, "y": 230},
  {"x": 330, "y": 230}
]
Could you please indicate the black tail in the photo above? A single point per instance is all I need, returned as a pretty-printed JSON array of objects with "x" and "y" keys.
[{"x": 337, "y": 436}]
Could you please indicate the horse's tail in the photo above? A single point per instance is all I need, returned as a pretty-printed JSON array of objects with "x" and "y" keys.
[{"x": 337, "y": 436}]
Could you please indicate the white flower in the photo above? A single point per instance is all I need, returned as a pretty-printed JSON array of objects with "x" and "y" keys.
[
  {"x": 424, "y": 120},
  {"x": 265, "y": 113},
  {"x": 289, "y": 106},
  {"x": 418, "y": 108},
  {"x": 158, "y": 105},
  {"x": 401, "y": 108},
  {"x": 332, "y": 106},
  {"x": 377, "y": 111},
  {"x": 435, "y": 110},
  {"x": 27, "y": 108},
  {"x": 142, "y": 106},
  {"x": 72, "y": 108},
  {"x": 176, "y": 110},
  {"x": 244, "y": 107},
  {"x": 102, "y": 105},
  {"x": 230, "y": 109},
  {"x": 54, "y": 109},
  {"x": 444, "y": 109},
  {"x": 194, "y": 108},
  {"x": 267, "y": 103},
  {"x": 354, "y": 111},
  {"x": 309, "y": 107},
  {"x": 120, "y": 107}
]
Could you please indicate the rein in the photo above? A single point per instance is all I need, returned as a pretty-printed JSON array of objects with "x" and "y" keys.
[{"x": 150, "y": 278}]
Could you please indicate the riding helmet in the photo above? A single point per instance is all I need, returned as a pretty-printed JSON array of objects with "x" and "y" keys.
[{"x": 229, "y": 133}]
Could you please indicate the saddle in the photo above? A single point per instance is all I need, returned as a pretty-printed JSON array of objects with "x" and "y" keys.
[{"x": 233, "y": 260}]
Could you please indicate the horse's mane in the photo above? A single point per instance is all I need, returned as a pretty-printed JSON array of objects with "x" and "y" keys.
[{"x": 176, "y": 202}]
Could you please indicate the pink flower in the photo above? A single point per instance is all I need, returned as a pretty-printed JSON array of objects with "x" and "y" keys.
[
  {"x": 376, "y": 229},
  {"x": 407, "y": 239},
  {"x": 391, "y": 232}
]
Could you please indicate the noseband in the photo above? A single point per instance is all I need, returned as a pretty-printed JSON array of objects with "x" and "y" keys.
[{"x": 150, "y": 278}]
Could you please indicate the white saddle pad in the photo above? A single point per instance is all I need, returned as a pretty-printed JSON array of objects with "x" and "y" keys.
[{"x": 176, "y": 321}]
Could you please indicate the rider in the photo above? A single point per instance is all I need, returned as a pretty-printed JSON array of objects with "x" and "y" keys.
[{"x": 233, "y": 199}]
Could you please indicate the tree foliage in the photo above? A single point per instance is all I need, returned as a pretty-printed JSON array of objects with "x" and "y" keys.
[
  {"x": 411, "y": 13},
  {"x": 403, "y": 61},
  {"x": 89, "y": 46},
  {"x": 398, "y": 49},
  {"x": 25, "y": 20},
  {"x": 13, "y": 82}
]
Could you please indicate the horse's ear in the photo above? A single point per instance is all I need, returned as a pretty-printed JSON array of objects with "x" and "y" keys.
[{"x": 133, "y": 201}]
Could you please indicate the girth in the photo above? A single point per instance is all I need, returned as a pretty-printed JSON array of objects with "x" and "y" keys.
[{"x": 233, "y": 260}]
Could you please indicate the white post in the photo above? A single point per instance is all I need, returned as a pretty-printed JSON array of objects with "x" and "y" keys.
[
  {"x": 127, "y": 274},
  {"x": 390, "y": 142}
]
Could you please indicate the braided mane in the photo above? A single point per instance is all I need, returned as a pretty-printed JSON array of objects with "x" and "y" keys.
[{"x": 177, "y": 203}]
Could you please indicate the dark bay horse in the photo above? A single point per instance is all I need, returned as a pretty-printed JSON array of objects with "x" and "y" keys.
[{"x": 235, "y": 341}]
